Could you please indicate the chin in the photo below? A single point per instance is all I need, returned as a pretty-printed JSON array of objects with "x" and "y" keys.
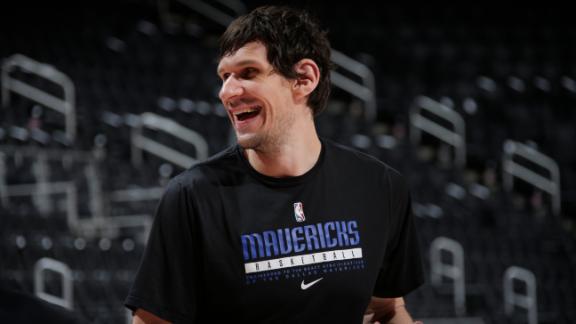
[{"x": 248, "y": 141}]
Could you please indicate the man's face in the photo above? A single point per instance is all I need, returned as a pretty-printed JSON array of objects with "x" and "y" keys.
[{"x": 258, "y": 100}]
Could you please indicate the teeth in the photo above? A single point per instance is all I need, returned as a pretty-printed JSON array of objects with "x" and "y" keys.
[{"x": 246, "y": 110}]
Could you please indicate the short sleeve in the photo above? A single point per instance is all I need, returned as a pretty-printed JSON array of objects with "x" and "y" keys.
[
  {"x": 401, "y": 270},
  {"x": 166, "y": 281}
]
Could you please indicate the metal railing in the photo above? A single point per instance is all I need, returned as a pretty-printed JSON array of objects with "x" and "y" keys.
[
  {"x": 98, "y": 222},
  {"x": 142, "y": 143},
  {"x": 64, "y": 105},
  {"x": 50, "y": 153},
  {"x": 511, "y": 169},
  {"x": 364, "y": 90},
  {"x": 143, "y": 221},
  {"x": 455, "y": 271},
  {"x": 43, "y": 188},
  {"x": 48, "y": 264},
  {"x": 419, "y": 123},
  {"x": 513, "y": 299},
  {"x": 137, "y": 194}
]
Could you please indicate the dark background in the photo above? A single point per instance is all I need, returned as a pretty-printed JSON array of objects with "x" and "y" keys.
[{"x": 509, "y": 72}]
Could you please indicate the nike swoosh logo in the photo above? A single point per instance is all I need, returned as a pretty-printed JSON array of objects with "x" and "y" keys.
[{"x": 305, "y": 286}]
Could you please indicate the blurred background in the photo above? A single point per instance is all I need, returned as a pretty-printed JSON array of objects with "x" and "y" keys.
[{"x": 104, "y": 101}]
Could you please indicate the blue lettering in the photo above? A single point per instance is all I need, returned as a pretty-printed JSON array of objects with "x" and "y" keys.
[
  {"x": 330, "y": 242},
  {"x": 342, "y": 234},
  {"x": 270, "y": 241},
  {"x": 302, "y": 238},
  {"x": 285, "y": 241},
  {"x": 321, "y": 235},
  {"x": 311, "y": 237},
  {"x": 354, "y": 234},
  {"x": 249, "y": 243},
  {"x": 298, "y": 245}
]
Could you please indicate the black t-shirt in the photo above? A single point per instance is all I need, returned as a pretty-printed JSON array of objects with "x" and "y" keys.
[{"x": 230, "y": 244}]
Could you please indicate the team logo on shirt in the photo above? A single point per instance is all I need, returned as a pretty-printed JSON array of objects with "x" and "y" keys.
[
  {"x": 303, "y": 251},
  {"x": 299, "y": 212}
]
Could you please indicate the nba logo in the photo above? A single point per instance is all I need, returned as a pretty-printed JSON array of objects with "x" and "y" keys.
[{"x": 299, "y": 212}]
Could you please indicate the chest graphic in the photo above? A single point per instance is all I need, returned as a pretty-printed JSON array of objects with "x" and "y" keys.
[{"x": 302, "y": 250}]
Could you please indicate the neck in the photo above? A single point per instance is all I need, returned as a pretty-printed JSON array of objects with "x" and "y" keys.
[{"x": 293, "y": 157}]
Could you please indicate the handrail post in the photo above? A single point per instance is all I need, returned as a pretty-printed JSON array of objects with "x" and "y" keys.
[
  {"x": 455, "y": 271},
  {"x": 153, "y": 121},
  {"x": 41, "y": 173},
  {"x": 56, "y": 266},
  {"x": 419, "y": 123},
  {"x": 65, "y": 106},
  {"x": 512, "y": 298},
  {"x": 364, "y": 90},
  {"x": 511, "y": 169}
]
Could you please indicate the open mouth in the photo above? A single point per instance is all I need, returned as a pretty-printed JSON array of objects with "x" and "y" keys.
[{"x": 248, "y": 113}]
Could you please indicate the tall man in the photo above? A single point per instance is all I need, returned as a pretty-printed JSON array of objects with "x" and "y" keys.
[{"x": 283, "y": 227}]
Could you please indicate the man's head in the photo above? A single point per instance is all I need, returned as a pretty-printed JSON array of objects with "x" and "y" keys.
[{"x": 289, "y": 36}]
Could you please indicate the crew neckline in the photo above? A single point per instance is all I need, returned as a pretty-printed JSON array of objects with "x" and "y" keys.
[{"x": 283, "y": 181}]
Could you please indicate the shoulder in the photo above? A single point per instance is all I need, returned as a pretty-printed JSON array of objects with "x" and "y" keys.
[
  {"x": 347, "y": 161},
  {"x": 215, "y": 169},
  {"x": 348, "y": 157}
]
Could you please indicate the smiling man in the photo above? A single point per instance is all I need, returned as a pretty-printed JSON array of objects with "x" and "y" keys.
[{"x": 283, "y": 227}]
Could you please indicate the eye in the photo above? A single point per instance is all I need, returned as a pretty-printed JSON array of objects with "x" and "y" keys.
[
  {"x": 224, "y": 76},
  {"x": 249, "y": 73}
]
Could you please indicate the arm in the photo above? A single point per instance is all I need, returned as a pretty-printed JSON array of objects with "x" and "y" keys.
[
  {"x": 144, "y": 317},
  {"x": 387, "y": 310},
  {"x": 166, "y": 281},
  {"x": 401, "y": 270}
]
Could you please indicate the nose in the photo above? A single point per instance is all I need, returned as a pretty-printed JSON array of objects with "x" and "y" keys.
[{"x": 231, "y": 88}]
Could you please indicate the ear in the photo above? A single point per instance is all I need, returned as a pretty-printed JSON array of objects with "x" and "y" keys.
[{"x": 307, "y": 79}]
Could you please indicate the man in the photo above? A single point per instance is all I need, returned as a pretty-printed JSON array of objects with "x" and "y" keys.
[{"x": 284, "y": 227}]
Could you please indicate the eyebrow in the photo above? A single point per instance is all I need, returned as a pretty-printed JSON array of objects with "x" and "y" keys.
[{"x": 241, "y": 64}]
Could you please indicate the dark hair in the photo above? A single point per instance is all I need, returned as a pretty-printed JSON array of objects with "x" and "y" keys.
[{"x": 289, "y": 36}]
